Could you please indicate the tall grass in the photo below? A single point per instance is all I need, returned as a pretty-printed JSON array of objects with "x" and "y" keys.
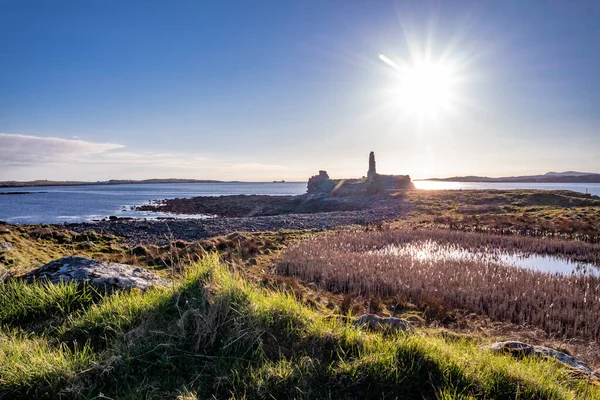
[
  {"x": 33, "y": 365},
  {"x": 561, "y": 305},
  {"x": 30, "y": 303}
]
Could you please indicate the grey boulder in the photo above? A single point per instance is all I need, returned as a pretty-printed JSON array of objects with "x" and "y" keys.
[
  {"x": 523, "y": 349},
  {"x": 101, "y": 274},
  {"x": 376, "y": 323}
]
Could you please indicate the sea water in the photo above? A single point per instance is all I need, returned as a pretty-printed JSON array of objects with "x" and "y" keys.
[{"x": 58, "y": 204}]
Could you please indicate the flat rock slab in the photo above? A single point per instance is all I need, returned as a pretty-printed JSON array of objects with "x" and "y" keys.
[
  {"x": 101, "y": 274},
  {"x": 377, "y": 323},
  {"x": 523, "y": 349}
]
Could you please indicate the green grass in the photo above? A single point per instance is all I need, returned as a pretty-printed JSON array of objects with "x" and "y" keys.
[
  {"x": 31, "y": 246},
  {"x": 33, "y": 367},
  {"x": 215, "y": 334},
  {"x": 23, "y": 303}
]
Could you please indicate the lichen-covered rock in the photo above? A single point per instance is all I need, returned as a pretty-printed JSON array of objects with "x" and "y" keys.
[
  {"x": 521, "y": 349},
  {"x": 101, "y": 274},
  {"x": 377, "y": 323}
]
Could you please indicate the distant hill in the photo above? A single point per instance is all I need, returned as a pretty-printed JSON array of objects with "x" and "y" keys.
[
  {"x": 568, "y": 173},
  {"x": 550, "y": 177},
  {"x": 6, "y": 184}
]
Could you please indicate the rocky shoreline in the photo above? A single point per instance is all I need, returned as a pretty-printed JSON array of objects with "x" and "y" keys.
[
  {"x": 236, "y": 206},
  {"x": 148, "y": 231}
]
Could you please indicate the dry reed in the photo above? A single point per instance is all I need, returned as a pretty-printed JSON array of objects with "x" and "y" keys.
[{"x": 563, "y": 305}]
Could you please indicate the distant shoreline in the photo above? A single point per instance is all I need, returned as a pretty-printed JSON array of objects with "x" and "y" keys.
[
  {"x": 15, "y": 184},
  {"x": 591, "y": 178}
]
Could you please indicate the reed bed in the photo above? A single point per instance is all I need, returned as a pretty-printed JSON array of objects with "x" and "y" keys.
[{"x": 353, "y": 262}]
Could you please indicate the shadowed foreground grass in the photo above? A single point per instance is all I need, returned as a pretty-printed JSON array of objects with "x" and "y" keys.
[{"x": 215, "y": 334}]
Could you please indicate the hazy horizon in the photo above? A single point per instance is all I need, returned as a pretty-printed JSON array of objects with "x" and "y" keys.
[
  {"x": 267, "y": 90},
  {"x": 289, "y": 181}
]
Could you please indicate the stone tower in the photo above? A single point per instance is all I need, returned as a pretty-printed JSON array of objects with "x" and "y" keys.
[{"x": 372, "y": 172}]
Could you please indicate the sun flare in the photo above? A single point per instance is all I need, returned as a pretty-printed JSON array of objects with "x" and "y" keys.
[{"x": 423, "y": 88}]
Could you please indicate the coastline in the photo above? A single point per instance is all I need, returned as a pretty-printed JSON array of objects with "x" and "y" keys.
[
  {"x": 528, "y": 212},
  {"x": 151, "y": 231},
  {"x": 16, "y": 184}
]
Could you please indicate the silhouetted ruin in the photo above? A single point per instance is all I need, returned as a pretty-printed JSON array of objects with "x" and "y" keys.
[
  {"x": 318, "y": 183},
  {"x": 374, "y": 183},
  {"x": 372, "y": 173}
]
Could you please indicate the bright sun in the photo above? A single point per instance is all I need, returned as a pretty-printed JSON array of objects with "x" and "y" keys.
[{"x": 423, "y": 88}]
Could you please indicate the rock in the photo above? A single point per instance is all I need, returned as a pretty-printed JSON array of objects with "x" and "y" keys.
[
  {"x": 416, "y": 320},
  {"x": 521, "y": 349},
  {"x": 101, "y": 274},
  {"x": 377, "y": 323},
  {"x": 319, "y": 183},
  {"x": 6, "y": 246}
]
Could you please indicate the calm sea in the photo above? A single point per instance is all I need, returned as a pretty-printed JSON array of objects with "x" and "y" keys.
[{"x": 58, "y": 204}]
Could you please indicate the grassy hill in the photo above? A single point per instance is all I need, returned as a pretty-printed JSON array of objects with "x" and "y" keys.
[
  {"x": 266, "y": 314},
  {"x": 218, "y": 333}
]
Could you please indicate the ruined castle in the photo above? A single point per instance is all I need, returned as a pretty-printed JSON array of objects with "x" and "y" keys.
[{"x": 374, "y": 183}]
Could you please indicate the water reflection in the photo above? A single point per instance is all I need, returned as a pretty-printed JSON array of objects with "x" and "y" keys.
[
  {"x": 591, "y": 188},
  {"x": 431, "y": 251}
]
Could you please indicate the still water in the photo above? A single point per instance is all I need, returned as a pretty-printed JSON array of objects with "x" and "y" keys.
[
  {"x": 431, "y": 251},
  {"x": 58, "y": 204}
]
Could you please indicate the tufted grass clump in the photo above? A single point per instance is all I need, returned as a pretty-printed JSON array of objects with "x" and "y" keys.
[
  {"x": 23, "y": 303},
  {"x": 32, "y": 366},
  {"x": 216, "y": 334}
]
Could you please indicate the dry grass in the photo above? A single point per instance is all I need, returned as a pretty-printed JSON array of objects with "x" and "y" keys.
[
  {"x": 557, "y": 214},
  {"x": 26, "y": 247},
  {"x": 561, "y": 305}
]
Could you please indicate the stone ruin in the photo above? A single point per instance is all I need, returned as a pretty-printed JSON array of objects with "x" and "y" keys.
[
  {"x": 318, "y": 183},
  {"x": 372, "y": 173},
  {"x": 374, "y": 183}
]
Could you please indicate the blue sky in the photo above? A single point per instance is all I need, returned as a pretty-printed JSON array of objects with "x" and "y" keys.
[{"x": 264, "y": 90}]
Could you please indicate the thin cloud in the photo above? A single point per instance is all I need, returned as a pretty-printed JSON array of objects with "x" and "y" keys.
[
  {"x": 24, "y": 157},
  {"x": 23, "y": 150}
]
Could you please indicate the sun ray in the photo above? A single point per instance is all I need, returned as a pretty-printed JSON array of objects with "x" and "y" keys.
[{"x": 389, "y": 62}]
